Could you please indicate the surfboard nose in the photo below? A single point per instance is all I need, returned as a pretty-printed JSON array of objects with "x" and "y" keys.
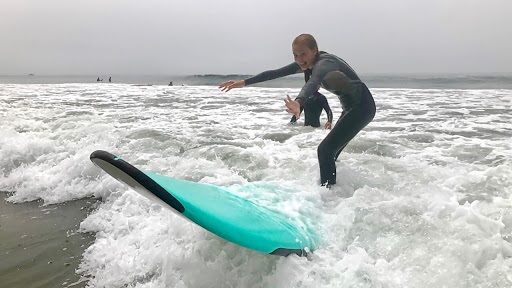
[{"x": 133, "y": 177}]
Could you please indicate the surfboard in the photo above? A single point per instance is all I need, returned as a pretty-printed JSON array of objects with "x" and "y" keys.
[{"x": 229, "y": 216}]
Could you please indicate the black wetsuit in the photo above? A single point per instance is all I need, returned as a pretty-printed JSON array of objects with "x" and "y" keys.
[
  {"x": 313, "y": 110},
  {"x": 336, "y": 76}
]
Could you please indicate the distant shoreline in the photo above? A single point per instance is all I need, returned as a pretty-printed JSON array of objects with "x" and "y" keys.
[{"x": 373, "y": 80}]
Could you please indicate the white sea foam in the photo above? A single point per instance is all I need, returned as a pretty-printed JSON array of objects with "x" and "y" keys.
[{"x": 423, "y": 196}]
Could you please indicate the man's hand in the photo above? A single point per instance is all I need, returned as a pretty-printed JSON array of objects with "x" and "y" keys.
[
  {"x": 328, "y": 125},
  {"x": 228, "y": 85},
  {"x": 292, "y": 106}
]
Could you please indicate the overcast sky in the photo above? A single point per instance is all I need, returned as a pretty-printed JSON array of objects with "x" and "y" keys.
[{"x": 246, "y": 37}]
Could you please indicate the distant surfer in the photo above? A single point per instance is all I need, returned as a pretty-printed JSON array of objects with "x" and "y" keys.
[
  {"x": 334, "y": 75},
  {"x": 109, "y": 79},
  {"x": 170, "y": 84}
]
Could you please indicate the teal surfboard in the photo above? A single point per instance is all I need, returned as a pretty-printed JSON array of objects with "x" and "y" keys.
[{"x": 218, "y": 211}]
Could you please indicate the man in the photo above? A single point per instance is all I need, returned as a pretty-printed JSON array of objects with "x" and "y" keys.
[
  {"x": 313, "y": 110},
  {"x": 336, "y": 76}
]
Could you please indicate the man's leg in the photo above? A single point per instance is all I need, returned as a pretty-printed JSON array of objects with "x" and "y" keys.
[{"x": 347, "y": 127}]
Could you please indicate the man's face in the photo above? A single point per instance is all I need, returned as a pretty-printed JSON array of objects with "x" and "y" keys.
[{"x": 304, "y": 56}]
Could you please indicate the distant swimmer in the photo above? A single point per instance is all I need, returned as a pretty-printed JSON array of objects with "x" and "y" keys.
[
  {"x": 99, "y": 79},
  {"x": 313, "y": 110},
  {"x": 170, "y": 83},
  {"x": 337, "y": 77}
]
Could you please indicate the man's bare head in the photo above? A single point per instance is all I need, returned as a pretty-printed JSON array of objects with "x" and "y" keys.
[
  {"x": 307, "y": 39},
  {"x": 305, "y": 51}
]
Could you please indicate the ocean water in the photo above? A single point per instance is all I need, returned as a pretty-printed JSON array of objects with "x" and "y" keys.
[
  {"x": 417, "y": 81},
  {"x": 424, "y": 194}
]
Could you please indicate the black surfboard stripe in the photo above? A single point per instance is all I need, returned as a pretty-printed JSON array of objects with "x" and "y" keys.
[
  {"x": 140, "y": 177},
  {"x": 285, "y": 252}
]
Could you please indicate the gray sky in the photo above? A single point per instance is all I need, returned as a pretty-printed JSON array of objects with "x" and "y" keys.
[{"x": 246, "y": 37}]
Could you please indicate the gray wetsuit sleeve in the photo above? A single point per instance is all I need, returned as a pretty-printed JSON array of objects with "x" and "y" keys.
[
  {"x": 320, "y": 69},
  {"x": 273, "y": 74}
]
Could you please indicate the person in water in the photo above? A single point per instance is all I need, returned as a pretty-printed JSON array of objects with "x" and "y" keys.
[
  {"x": 336, "y": 76},
  {"x": 313, "y": 110}
]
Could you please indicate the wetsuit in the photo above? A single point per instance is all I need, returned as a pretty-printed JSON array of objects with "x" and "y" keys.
[
  {"x": 336, "y": 76},
  {"x": 313, "y": 110}
]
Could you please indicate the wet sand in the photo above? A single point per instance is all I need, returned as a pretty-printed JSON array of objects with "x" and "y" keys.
[{"x": 40, "y": 245}]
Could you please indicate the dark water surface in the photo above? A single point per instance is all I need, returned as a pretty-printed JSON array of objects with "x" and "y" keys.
[{"x": 40, "y": 245}]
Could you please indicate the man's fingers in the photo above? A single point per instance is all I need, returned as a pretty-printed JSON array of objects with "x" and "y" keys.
[
  {"x": 291, "y": 106},
  {"x": 226, "y": 88},
  {"x": 297, "y": 115},
  {"x": 224, "y": 84}
]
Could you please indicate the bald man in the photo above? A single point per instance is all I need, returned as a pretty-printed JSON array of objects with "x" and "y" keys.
[{"x": 336, "y": 76}]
